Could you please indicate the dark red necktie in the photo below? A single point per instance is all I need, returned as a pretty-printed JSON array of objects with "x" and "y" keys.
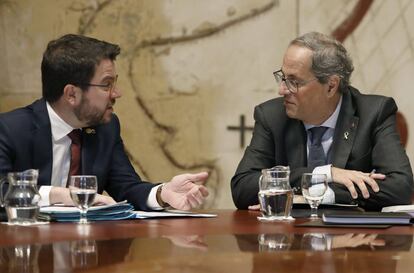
[{"x": 75, "y": 152}]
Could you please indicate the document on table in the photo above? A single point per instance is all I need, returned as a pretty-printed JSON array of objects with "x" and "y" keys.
[
  {"x": 171, "y": 213},
  {"x": 401, "y": 208},
  {"x": 119, "y": 211},
  {"x": 60, "y": 213}
]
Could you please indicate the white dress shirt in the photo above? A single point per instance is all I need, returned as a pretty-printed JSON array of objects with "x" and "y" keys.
[
  {"x": 61, "y": 159},
  {"x": 327, "y": 139}
]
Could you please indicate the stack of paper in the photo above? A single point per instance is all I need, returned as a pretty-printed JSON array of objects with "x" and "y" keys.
[
  {"x": 172, "y": 214},
  {"x": 118, "y": 211},
  {"x": 402, "y": 208}
]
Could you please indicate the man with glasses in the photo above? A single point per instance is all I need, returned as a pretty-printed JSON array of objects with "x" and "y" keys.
[
  {"x": 73, "y": 130},
  {"x": 321, "y": 124}
]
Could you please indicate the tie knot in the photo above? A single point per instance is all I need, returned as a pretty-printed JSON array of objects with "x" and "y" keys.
[
  {"x": 75, "y": 136},
  {"x": 316, "y": 134}
]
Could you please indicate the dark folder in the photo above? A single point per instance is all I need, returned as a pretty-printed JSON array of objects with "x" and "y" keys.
[{"x": 359, "y": 217}]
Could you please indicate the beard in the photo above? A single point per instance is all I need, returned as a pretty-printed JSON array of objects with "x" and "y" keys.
[{"x": 91, "y": 115}]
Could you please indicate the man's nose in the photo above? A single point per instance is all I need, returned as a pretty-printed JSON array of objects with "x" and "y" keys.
[
  {"x": 283, "y": 90},
  {"x": 116, "y": 92}
]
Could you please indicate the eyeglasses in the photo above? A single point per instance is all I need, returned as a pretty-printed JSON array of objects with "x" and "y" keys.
[
  {"x": 108, "y": 87},
  {"x": 292, "y": 85}
]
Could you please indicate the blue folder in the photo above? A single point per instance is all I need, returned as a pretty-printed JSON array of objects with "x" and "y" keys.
[{"x": 119, "y": 211}]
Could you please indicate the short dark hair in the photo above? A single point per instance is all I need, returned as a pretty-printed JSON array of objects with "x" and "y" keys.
[
  {"x": 72, "y": 59},
  {"x": 329, "y": 58}
]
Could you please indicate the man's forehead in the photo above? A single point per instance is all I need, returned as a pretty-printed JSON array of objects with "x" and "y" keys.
[
  {"x": 297, "y": 60},
  {"x": 105, "y": 66}
]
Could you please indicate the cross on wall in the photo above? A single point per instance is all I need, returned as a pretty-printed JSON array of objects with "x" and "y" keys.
[{"x": 242, "y": 128}]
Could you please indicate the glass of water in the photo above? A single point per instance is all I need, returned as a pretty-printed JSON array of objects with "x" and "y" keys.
[
  {"x": 82, "y": 191},
  {"x": 314, "y": 187}
]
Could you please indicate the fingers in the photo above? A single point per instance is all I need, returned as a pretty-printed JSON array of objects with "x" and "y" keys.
[
  {"x": 60, "y": 195},
  {"x": 352, "y": 179},
  {"x": 196, "y": 196},
  {"x": 184, "y": 192},
  {"x": 254, "y": 207},
  {"x": 198, "y": 177},
  {"x": 103, "y": 200},
  {"x": 204, "y": 191},
  {"x": 378, "y": 176}
]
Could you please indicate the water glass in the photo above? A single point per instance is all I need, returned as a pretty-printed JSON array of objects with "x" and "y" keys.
[
  {"x": 83, "y": 191},
  {"x": 314, "y": 187},
  {"x": 275, "y": 194}
]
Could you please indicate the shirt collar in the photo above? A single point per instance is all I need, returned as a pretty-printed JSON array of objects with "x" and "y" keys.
[
  {"x": 59, "y": 127},
  {"x": 331, "y": 121}
]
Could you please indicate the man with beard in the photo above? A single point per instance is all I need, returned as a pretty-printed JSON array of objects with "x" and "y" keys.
[
  {"x": 72, "y": 130},
  {"x": 322, "y": 124}
]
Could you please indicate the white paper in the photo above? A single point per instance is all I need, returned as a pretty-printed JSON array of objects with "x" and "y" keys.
[
  {"x": 70, "y": 209},
  {"x": 172, "y": 213},
  {"x": 400, "y": 208}
]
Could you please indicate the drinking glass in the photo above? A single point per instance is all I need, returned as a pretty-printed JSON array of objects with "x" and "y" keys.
[
  {"x": 82, "y": 191},
  {"x": 314, "y": 187}
]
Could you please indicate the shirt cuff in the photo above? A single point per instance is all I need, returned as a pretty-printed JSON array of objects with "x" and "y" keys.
[
  {"x": 329, "y": 196},
  {"x": 152, "y": 199},
  {"x": 326, "y": 169},
  {"x": 44, "y": 192}
]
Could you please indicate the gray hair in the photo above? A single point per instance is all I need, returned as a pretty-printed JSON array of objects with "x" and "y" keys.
[{"x": 329, "y": 58}]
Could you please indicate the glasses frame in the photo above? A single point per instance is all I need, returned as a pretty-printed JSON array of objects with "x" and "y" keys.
[
  {"x": 292, "y": 85},
  {"x": 110, "y": 86}
]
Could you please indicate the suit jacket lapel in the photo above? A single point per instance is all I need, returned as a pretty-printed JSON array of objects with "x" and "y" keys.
[
  {"x": 345, "y": 131},
  {"x": 42, "y": 143},
  {"x": 296, "y": 144},
  {"x": 89, "y": 149}
]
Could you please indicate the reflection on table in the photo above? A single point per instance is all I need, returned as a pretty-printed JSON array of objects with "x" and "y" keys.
[{"x": 232, "y": 242}]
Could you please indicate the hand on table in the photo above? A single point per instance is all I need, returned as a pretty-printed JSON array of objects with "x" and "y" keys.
[
  {"x": 62, "y": 195},
  {"x": 350, "y": 179},
  {"x": 254, "y": 207}
]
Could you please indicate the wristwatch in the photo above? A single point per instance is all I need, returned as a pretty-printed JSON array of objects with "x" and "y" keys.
[{"x": 159, "y": 199}]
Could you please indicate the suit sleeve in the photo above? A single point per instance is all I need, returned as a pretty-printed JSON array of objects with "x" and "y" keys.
[
  {"x": 6, "y": 150},
  {"x": 387, "y": 157},
  {"x": 257, "y": 156},
  {"x": 260, "y": 154},
  {"x": 123, "y": 183}
]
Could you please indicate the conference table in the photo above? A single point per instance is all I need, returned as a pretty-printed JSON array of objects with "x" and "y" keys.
[{"x": 234, "y": 241}]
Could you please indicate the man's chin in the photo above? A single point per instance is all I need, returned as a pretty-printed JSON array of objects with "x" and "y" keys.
[
  {"x": 106, "y": 118},
  {"x": 290, "y": 113}
]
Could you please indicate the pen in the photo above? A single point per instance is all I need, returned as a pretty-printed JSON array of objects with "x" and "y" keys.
[{"x": 372, "y": 172}]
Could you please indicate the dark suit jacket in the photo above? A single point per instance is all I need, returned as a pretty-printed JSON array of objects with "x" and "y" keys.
[
  {"x": 26, "y": 143},
  {"x": 371, "y": 142}
]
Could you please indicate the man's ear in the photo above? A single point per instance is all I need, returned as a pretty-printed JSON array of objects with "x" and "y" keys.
[
  {"x": 333, "y": 85},
  {"x": 71, "y": 94}
]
